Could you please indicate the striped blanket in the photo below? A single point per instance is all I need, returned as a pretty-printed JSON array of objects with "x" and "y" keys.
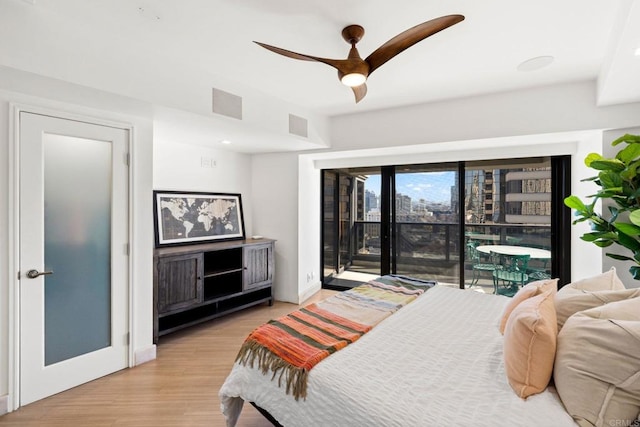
[{"x": 292, "y": 345}]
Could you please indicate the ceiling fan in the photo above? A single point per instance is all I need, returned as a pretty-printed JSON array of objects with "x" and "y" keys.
[{"x": 354, "y": 70}]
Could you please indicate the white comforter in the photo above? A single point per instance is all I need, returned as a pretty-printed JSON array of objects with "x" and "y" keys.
[{"x": 436, "y": 362}]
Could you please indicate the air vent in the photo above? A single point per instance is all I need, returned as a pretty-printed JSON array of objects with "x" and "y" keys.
[
  {"x": 227, "y": 104},
  {"x": 297, "y": 125}
]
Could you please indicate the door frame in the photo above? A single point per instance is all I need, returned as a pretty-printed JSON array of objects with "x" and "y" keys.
[{"x": 14, "y": 237}]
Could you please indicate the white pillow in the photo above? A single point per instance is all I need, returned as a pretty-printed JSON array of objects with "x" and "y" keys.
[
  {"x": 590, "y": 292},
  {"x": 597, "y": 365}
]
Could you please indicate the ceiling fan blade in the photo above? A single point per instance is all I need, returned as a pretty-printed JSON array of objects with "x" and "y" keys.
[
  {"x": 408, "y": 38},
  {"x": 359, "y": 91},
  {"x": 336, "y": 63}
]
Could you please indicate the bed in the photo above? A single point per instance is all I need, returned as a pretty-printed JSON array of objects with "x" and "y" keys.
[{"x": 436, "y": 361}]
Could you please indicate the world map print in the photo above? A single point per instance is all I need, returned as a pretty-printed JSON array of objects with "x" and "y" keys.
[{"x": 198, "y": 218}]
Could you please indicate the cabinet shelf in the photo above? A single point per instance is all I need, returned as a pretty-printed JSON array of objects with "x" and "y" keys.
[
  {"x": 176, "y": 321},
  {"x": 221, "y": 272},
  {"x": 196, "y": 283}
]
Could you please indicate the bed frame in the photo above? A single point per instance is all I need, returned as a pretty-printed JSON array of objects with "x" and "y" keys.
[{"x": 267, "y": 415}]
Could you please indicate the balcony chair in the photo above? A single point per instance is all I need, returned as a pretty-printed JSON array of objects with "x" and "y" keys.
[
  {"x": 539, "y": 273},
  {"x": 512, "y": 274},
  {"x": 478, "y": 264}
]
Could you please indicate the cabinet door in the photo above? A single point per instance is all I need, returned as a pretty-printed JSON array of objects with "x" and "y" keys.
[
  {"x": 179, "y": 282},
  {"x": 258, "y": 266}
]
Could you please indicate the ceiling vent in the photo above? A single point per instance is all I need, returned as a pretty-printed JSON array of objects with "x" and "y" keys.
[
  {"x": 297, "y": 125},
  {"x": 227, "y": 104}
]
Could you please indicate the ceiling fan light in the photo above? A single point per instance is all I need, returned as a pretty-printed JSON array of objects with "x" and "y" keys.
[{"x": 353, "y": 79}]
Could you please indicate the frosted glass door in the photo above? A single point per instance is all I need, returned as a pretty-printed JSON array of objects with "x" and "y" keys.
[
  {"x": 77, "y": 246},
  {"x": 74, "y": 231}
]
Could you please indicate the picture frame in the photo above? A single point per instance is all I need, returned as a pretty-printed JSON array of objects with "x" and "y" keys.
[{"x": 190, "y": 217}]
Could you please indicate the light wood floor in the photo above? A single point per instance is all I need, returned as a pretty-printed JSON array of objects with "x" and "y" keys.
[{"x": 179, "y": 388}]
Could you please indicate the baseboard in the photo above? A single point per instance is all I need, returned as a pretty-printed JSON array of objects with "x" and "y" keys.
[
  {"x": 309, "y": 292},
  {"x": 4, "y": 404},
  {"x": 145, "y": 355}
]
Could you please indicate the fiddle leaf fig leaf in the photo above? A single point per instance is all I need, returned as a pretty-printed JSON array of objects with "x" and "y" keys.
[
  {"x": 574, "y": 202},
  {"x": 592, "y": 157},
  {"x": 610, "y": 179},
  {"x": 628, "y": 138},
  {"x": 628, "y": 242},
  {"x": 607, "y": 164},
  {"x": 631, "y": 152},
  {"x": 634, "y": 217},
  {"x": 628, "y": 229},
  {"x": 620, "y": 257}
]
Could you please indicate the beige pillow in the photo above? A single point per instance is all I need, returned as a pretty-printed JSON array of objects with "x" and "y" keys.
[
  {"x": 529, "y": 290},
  {"x": 597, "y": 367},
  {"x": 530, "y": 344},
  {"x": 590, "y": 292}
]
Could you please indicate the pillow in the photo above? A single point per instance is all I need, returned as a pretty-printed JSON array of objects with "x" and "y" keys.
[
  {"x": 597, "y": 367},
  {"x": 529, "y": 290},
  {"x": 591, "y": 292},
  {"x": 530, "y": 344}
]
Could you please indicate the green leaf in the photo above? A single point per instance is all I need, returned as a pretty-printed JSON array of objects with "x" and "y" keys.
[
  {"x": 574, "y": 202},
  {"x": 610, "y": 179},
  {"x": 628, "y": 242},
  {"x": 591, "y": 157},
  {"x": 630, "y": 152},
  {"x": 628, "y": 138},
  {"x": 610, "y": 192},
  {"x": 620, "y": 257},
  {"x": 628, "y": 229},
  {"x": 629, "y": 173},
  {"x": 603, "y": 243},
  {"x": 634, "y": 217},
  {"x": 599, "y": 235},
  {"x": 635, "y": 272},
  {"x": 607, "y": 165}
]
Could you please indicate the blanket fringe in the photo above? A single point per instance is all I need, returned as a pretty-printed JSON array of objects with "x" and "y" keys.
[{"x": 253, "y": 352}]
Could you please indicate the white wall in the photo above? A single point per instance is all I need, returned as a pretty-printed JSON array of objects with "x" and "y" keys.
[
  {"x": 66, "y": 98},
  {"x": 4, "y": 249},
  {"x": 309, "y": 213},
  {"x": 275, "y": 215},
  {"x": 550, "y": 109},
  {"x": 178, "y": 166}
]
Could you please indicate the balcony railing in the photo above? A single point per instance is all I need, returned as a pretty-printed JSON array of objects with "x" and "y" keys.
[{"x": 432, "y": 250}]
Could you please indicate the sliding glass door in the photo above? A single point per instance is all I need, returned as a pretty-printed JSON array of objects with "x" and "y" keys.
[
  {"x": 445, "y": 221},
  {"x": 426, "y": 222},
  {"x": 507, "y": 211},
  {"x": 352, "y": 235}
]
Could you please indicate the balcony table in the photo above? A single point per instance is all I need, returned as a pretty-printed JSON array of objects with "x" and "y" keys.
[{"x": 535, "y": 253}]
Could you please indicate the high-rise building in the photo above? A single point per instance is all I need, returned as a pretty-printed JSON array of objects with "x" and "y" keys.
[{"x": 370, "y": 201}]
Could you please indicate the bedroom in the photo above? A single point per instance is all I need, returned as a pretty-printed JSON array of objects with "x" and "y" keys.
[{"x": 556, "y": 118}]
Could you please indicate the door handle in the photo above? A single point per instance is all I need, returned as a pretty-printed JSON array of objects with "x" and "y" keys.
[{"x": 32, "y": 274}]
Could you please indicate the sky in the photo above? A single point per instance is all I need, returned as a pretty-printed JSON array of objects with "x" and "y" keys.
[{"x": 431, "y": 186}]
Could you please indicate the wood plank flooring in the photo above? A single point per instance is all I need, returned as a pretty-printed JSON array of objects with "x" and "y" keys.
[{"x": 179, "y": 388}]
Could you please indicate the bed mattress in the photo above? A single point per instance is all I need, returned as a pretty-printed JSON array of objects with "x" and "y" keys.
[{"x": 437, "y": 361}]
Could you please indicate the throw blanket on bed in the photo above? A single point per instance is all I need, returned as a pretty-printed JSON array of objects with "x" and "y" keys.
[{"x": 292, "y": 345}]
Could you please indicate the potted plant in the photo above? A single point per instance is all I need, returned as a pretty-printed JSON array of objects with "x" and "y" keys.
[{"x": 619, "y": 181}]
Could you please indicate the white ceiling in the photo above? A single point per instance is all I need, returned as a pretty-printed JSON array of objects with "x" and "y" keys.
[{"x": 171, "y": 53}]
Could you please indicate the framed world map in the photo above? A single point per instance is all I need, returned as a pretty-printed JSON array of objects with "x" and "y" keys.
[{"x": 193, "y": 217}]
